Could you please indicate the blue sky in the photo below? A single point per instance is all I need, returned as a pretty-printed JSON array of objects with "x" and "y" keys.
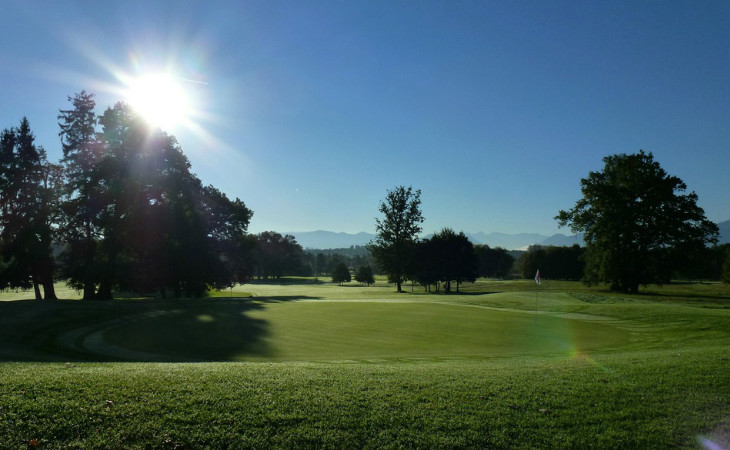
[{"x": 312, "y": 110}]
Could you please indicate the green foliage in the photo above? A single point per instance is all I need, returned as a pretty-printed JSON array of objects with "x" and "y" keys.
[
  {"x": 557, "y": 263},
  {"x": 726, "y": 267},
  {"x": 26, "y": 202},
  {"x": 397, "y": 232},
  {"x": 364, "y": 274},
  {"x": 636, "y": 221},
  {"x": 136, "y": 218},
  {"x": 276, "y": 255},
  {"x": 341, "y": 274},
  {"x": 493, "y": 262},
  {"x": 445, "y": 257}
]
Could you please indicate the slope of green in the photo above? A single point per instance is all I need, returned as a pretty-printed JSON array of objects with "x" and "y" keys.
[
  {"x": 640, "y": 400},
  {"x": 501, "y": 366}
]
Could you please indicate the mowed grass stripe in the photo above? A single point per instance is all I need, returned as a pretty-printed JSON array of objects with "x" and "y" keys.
[{"x": 357, "y": 331}]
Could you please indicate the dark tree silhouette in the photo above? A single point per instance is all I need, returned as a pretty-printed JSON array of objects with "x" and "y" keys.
[
  {"x": 26, "y": 201},
  {"x": 559, "y": 263},
  {"x": 397, "y": 233},
  {"x": 277, "y": 255},
  {"x": 82, "y": 201},
  {"x": 341, "y": 274},
  {"x": 634, "y": 215},
  {"x": 147, "y": 224},
  {"x": 493, "y": 262},
  {"x": 364, "y": 274},
  {"x": 453, "y": 257}
]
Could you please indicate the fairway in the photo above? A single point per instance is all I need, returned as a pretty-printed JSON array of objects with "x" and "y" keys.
[
  {"x": 318, "y": 365},
  {"x": 308, "y": 323},
  {"x": 332, "y": 330}
]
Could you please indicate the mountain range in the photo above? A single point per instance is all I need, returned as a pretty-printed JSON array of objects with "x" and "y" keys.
[{"x": 329, "y": 239}]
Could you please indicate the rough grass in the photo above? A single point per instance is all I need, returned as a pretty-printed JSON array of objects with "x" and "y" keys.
[
  {"x": 640, "y": 400},
  {"x": 365, "y": 367}
]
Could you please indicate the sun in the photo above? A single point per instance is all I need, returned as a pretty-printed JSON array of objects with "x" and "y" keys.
[{"x": 160, "y": 99}]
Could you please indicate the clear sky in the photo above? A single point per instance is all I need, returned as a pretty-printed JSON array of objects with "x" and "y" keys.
[{"x": 310, "y": 111}]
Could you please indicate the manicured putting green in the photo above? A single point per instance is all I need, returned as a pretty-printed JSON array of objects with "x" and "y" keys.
[{"x": 331, "y": 330}]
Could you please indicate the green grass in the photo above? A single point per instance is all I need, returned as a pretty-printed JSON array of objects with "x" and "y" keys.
[{"x": 319, "y": 365}]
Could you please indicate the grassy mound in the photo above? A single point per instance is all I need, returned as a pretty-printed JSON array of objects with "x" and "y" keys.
[{"x": 501, "y": 366}]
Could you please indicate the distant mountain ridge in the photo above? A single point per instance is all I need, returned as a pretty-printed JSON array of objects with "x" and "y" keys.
[{"x": 321, "y": 239}]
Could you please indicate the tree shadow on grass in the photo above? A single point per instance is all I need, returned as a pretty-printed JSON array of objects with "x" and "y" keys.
[
  {"x": 284, "y": 298},
  {"x": 211, "y": 329}
]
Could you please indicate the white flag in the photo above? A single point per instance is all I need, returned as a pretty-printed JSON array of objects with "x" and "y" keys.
[{"x": 537, "y": 277}]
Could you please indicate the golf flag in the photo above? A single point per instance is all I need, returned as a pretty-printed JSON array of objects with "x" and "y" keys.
[{"x": 537, "y": 277}]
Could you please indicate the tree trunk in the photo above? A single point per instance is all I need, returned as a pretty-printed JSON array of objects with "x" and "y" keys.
[
  {"x": 37, "y": 289},
  {"x": 49, "y": 291}
]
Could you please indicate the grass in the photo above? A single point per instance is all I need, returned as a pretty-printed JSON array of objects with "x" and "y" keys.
[{"x": 339, "y": 367}]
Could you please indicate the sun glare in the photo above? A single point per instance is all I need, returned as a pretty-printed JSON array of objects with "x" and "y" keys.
[{"x": 160, "y": 99}]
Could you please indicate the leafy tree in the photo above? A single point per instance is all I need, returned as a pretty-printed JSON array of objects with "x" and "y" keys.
[
  {"x": 26, "y": 200},
  {"x": 364, "y": 274},
  {"x": 227, "y": 222},
  {"x": 493, "y": 262},
  {"x": 277, "y": 255},
  {"x": 454, "y": 258},
  {"x": 634, "y": 215},
  {"x": 341, "y": 274},
  {"x": 397, "y": 232},
  {"x": 726, "y": 267},
  {"x": 556, "y": 262},
  {"x": 82, "y": 200},
  {"x": 149, "y": 224}
]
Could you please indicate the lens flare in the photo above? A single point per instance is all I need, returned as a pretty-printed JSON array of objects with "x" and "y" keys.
[{"x": 160, "y": 99}]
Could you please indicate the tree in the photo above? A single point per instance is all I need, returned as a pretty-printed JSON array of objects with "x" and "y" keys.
[
  {"x": 397, "y": 232},
  {"x": 454, "y": 257},
  {"x": 558, "y": 263},
  {"x": 364, "y": 274},
  {"x": 493, "y": 262},
  {"x": 136, "y": 218},
  {"x": 82, "y": 200},
  {"x": 26, "y": 199},
  {"x": 341, "y": 274},
  {"x": 277, "y": 255},
  {"x": 726, "y": 267},
  {"x": 634, "y": 216}
]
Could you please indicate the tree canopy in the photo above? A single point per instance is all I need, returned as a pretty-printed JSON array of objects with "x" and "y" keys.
[
  {"x": 397, "y": 232},
  {"x": 123, "y": 209},
  {"x": 27, "y": 182},
  {"x": 636, "y": 218}
]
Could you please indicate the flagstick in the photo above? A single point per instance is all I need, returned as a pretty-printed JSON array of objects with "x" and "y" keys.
[{"x": 537, "y": 292}]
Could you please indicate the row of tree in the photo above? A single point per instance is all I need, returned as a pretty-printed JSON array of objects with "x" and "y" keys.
[
  {"x": 640, "y": 227},
  {"x": 122, "y": 210},
  {"x": 444, "y": 258}
]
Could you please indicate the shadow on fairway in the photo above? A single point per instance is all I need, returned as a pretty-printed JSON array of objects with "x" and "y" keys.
[
  {"x": 284, "y": 298},
  {"x": 211, "y": 329}
]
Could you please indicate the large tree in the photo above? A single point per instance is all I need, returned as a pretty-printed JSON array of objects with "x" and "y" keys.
[
  {"x": 446, "y": 257},
  {"x": 493, "y": 262},
  {"x": 26, "y": 198},
  {"x": 82, "y": 201},
  {"x": 397, "y": 232},
  {"x": 277, "y": 255},
  {"x": 634, "y": 216}
]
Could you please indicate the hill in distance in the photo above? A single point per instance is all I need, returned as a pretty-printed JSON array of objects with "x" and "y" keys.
[{"x": 321, "y": 239}]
